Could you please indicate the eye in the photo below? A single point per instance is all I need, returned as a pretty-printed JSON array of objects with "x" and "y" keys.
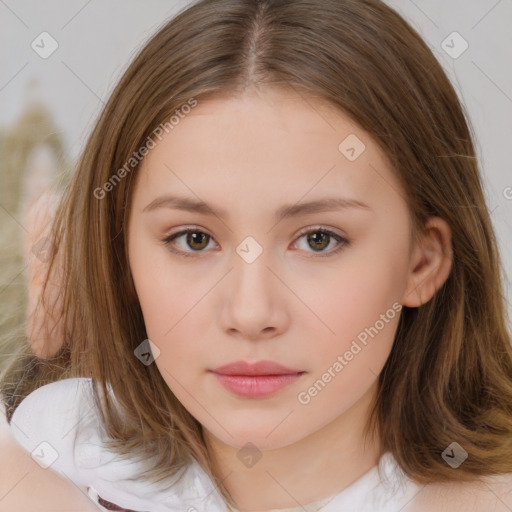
[
  {"x": 317, "y": 238},
  {"x": 195, "y": 239},
  {"x": 320, "y": 238}
]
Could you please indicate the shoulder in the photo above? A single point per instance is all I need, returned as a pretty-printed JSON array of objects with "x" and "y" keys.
[
  {"x": 55, "y": 421},
  {"x": 25, "y": 485},
  {"x": 486, "y": 494},
  {"x": 50, "y": 412}
]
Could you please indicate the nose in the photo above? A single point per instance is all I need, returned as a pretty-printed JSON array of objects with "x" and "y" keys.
[{"x": 254, "y": 304}]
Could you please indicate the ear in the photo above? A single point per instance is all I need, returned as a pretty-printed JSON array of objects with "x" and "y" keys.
[{"x": 431, "y": 262}]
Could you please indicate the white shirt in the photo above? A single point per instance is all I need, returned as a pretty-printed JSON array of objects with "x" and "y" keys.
[{"x": 58, "y": 424}]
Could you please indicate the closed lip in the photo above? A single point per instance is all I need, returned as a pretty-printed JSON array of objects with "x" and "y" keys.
[{"x": 254, "y": 369}]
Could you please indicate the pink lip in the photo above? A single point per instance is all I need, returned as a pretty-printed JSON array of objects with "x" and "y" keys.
[
  {"x": 259, "y": 368},
  {"x": 255, "y": 380}
]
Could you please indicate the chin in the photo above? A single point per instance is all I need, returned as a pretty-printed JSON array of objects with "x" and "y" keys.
[{"x": 264, "y": 438}]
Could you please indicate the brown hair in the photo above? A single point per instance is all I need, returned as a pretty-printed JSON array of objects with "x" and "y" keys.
[{"x": 449, "y": 375}]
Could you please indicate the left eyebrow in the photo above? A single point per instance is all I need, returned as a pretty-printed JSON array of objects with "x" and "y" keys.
[{"x": 284, "y": 212}]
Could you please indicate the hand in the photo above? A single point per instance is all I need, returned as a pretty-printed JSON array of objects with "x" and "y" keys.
[{"x": 44, "y": 325}]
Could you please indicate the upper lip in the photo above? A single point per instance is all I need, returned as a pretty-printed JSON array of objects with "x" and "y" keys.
[{"x": 257, "y": 368}]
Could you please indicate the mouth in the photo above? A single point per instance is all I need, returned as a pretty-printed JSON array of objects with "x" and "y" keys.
[{"x": 255, "y": 380}]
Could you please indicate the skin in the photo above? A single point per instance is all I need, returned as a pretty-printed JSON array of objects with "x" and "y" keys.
[
  {"x": 250, "y": 155},
  {"x": 44, "y": 328},
  {"x": 24, "y": 485}
]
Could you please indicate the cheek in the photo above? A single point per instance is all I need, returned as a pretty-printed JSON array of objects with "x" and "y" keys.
[
  {"x": 362, "y": 308},
  {"x": 164, "y": 291},
  {"x": 172, "y": 302},
  {"x": 359, "y": 307},
  {"x": 352, "y": 295},
  {"x": 173, "y": 324}
]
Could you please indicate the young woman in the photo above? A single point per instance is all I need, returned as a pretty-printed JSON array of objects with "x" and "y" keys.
[{"x": 280, "y": 283}]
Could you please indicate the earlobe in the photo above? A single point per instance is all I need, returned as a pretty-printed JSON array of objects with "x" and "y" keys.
[{"x": 431, "y": 262}]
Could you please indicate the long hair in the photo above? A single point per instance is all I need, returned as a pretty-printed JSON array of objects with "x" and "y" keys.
[{"x": 449, "y": 375}]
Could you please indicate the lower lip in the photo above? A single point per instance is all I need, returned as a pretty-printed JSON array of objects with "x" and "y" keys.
[{"x": 256, "y": 386}]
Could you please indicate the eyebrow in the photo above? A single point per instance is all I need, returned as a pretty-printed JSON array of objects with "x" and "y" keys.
[{"x": 284, "y": 212}]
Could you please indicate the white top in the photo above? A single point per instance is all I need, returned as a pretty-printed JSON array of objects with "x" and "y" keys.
[{"x": 58, "y": 424}]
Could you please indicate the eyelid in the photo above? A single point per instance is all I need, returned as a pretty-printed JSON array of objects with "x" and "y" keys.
[
  {"x": 184, "y": 230},
  {"x": 319, "y": 227}
]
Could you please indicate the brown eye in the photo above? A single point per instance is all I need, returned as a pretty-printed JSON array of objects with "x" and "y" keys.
[
  {"x": 319, "y": 240},
  {"x": 194, "y": 240}
]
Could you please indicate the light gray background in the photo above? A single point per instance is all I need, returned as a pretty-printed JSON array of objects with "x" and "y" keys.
[{"x": 98, "y": 38}]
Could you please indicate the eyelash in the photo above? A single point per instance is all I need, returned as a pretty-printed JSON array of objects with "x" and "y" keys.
[{"x": 342, "y": 242}]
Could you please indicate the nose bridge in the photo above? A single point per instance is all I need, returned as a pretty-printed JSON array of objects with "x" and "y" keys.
[
  {"x": 252, "y": 306},
  {"x": 251, "y": 272},
  {"x": 250, "y": 250}
]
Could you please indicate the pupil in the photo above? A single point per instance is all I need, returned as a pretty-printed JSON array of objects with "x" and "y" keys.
[
  {"x": 314, "y": 237},
  {"x": 192, "y": 239}
]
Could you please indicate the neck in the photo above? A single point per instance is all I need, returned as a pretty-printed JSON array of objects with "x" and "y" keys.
[{"x": 318, "y": 466}]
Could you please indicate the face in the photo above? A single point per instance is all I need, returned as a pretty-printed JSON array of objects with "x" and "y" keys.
[{"x": 261, "y": 276}]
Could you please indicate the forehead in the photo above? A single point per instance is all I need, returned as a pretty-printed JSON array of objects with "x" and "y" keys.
[{"x": 263, "y": 145}]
